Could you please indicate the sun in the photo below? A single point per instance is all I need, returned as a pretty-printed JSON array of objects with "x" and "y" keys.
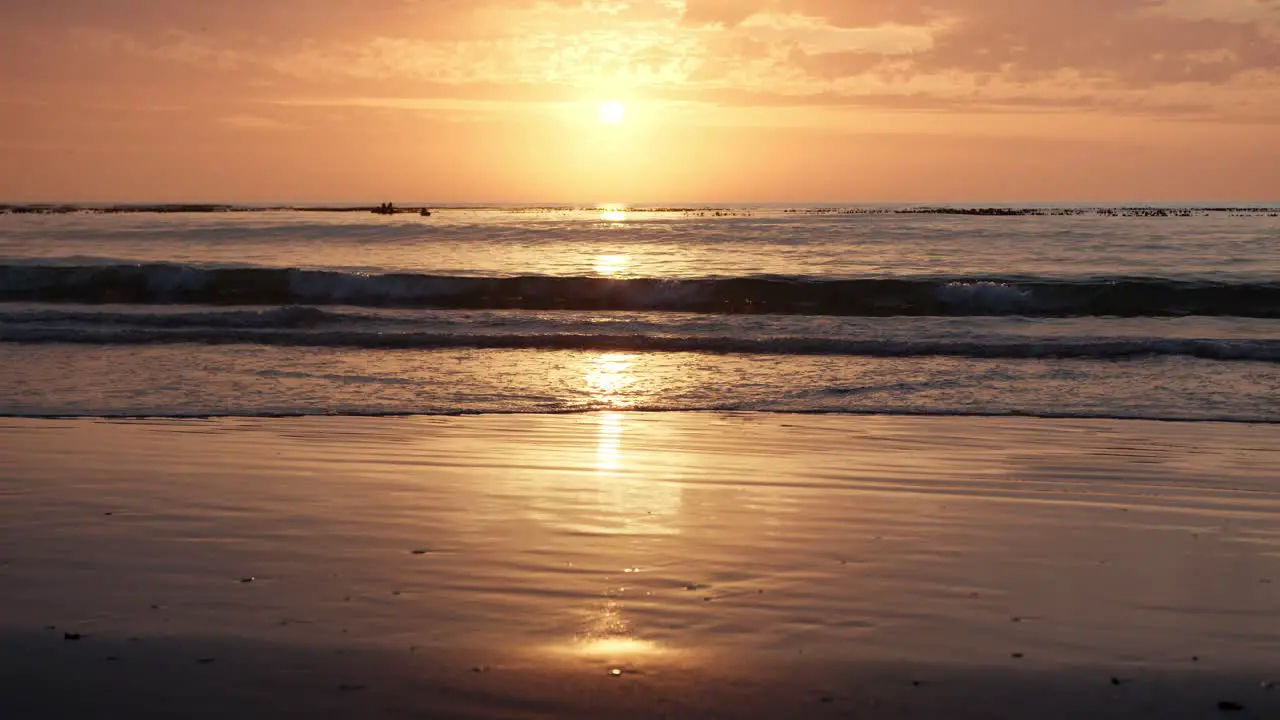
[{"x": 612, "y": 112}]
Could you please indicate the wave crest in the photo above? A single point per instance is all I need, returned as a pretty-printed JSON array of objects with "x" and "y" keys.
[{"x": 944, "y": 296}]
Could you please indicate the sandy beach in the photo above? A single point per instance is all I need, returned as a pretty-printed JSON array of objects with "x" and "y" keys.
[{"x": 639, "y": 565}]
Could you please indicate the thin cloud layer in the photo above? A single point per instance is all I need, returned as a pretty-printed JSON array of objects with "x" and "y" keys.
[{"x": 1051, "y": 52}]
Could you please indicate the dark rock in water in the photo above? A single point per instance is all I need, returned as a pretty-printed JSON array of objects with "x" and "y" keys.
[
  {"x": 1116, "y": 681},
  {"x": 71, "y": 636},
  {"x": 1016, "y": 655},
  {"x": 1229, "y": 706},
  {"x": 206, "y": 661},
  {"x": 248, "y": 579}
]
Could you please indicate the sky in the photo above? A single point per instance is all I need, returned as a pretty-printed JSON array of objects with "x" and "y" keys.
[{"x": 725, "y": 100}]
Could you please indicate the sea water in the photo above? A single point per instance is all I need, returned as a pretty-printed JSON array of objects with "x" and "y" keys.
[{"x": 1168, "y": 313}]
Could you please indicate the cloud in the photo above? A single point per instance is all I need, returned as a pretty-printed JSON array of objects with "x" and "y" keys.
[
  {"x": 815, "y": 35},
  {"x": 1125, "y": 55}
]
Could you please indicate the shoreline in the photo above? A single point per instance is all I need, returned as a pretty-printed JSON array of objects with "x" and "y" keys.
[{"x": 409, "y": 414}]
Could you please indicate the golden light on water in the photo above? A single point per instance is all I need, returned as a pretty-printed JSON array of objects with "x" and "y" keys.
[
  {"x": 608, "y": 635},
  {"x": 611, "y": 265},
  {"x": 613, "y": 213},
  {"x": 608, "y": 380},
  {"x": 609, "y": 443},
  {"x": 614, "y": 647},
  {"x": 616, "y": 495}
]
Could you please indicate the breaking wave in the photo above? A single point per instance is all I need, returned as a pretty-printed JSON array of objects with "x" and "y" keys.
[
  {"x": 929, "y": 296},
  {"x": 305, "y": 327}
]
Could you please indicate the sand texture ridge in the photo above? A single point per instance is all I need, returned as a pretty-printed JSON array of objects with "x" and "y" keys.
[{"x": 639, "y": 565}]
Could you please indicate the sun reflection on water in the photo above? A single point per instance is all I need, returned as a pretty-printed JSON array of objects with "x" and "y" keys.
[
  {"x": 612, "y": 212},
  {"x": 608, "y": 380},
  {"x": 611, "y": 265}
]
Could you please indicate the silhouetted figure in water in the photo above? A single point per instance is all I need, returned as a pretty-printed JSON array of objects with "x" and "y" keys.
[
  {"x": 385, "y": 209},
  {"x": 425, "y": 212}
]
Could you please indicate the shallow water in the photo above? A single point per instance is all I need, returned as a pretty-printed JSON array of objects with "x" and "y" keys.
[{"x": 165, "y": 380}]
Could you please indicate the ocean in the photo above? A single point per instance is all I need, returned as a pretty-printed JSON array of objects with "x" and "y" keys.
[{"x": 1162, "y": 313}]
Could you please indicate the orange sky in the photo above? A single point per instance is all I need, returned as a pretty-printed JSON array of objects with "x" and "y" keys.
[{"x": 727, "y": 100}]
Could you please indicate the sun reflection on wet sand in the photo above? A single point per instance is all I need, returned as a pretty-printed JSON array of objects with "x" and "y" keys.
[
  {"x": 608, "y": 636},
  {"x": 638, "y": 502},
  {"x": 609, "y": 458}
]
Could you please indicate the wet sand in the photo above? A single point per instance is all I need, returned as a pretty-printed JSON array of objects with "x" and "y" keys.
[{"x": 639, "y": 565}]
